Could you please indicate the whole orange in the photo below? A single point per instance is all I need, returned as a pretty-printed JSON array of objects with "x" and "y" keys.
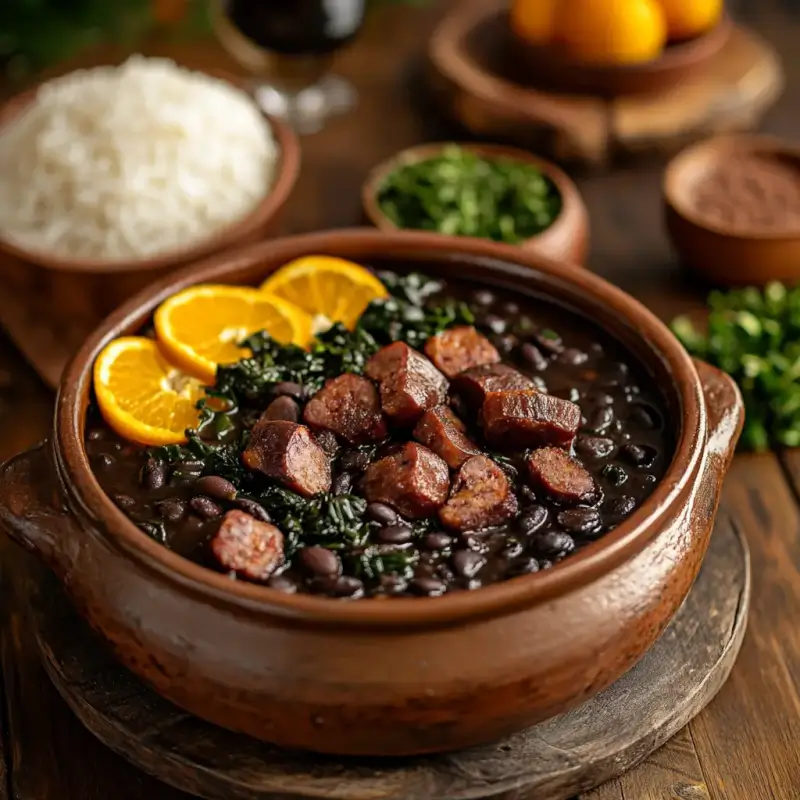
[
  {"x": 535, "y": 20},
  {"x": 689, "y": 18},
  {"x": 613, "y": 31}
]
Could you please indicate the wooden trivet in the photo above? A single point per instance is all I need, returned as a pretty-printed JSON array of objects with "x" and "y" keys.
[
  {"x": 557, "y": 759},
  {"x": 474, "y": 79}
]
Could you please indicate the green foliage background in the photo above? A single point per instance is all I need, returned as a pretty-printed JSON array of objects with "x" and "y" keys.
[{"x": 38, "y": 33}]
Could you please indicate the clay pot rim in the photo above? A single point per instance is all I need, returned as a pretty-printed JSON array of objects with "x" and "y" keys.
[
  {"x": 570, "y": 220},
  {"x": 285, "y": 177},
  {"x": 705, "y": 154},
  {"x": 508, "y": 265}
]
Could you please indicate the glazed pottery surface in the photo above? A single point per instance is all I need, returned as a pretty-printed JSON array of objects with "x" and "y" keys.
[{"x": 404, "y": 676}]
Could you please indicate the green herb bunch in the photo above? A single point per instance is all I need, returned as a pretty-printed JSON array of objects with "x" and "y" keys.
[
  {"x": 460, "y": 193},
  {"x": 754, "y": 336}
]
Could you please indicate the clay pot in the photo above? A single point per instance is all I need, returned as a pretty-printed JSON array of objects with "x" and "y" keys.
[
  {"x": 96, "y": 287},
  {"x": 567, "y": 238},
  {"x": 393, "y": 677}
]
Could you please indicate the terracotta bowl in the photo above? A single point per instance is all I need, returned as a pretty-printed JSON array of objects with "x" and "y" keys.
[
  {"x": 550, "y": 67},
  {"x": 393, "y": 677},
  {"x": 567, "y": 238},
  {"x": 99, "y": 286},
  {"x": 720, "y": 254}
]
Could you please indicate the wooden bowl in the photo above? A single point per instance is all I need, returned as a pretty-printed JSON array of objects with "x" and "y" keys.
[
  {"x": 401, "y": 676},
  {"x": 99, "y": 285},
  {"x": 550, "y": 67},
  {"x": 721, "y": 254},
  {"x": 567, "y": 238}
]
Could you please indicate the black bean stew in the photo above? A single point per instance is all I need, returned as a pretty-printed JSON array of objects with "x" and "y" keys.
[{"x": 451, "y": 441}]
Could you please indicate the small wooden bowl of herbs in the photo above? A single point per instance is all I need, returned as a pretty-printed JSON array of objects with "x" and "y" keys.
[{"x": 480, "y": 190}]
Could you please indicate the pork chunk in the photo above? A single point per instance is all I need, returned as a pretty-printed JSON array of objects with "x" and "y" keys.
[
  {"x": 458, "y": 349},
  {"x": 413, "y": 481},
  {"x": 443, "y": 432},
  {"x": 481, "y": 497},
  {"x": 526, "y": 418},
  {"x": 409, "y": 383},
  {"x": 350, "y": 407},
  {"x": 289, "y": 453}
]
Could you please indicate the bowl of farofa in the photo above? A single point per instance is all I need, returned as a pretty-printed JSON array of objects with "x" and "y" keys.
[{"x": 96, "y": 285}]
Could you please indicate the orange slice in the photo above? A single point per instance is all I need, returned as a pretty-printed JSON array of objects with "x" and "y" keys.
[
  {"x": 327, "y": 289},
  {"x": 142, "y": 396},
  {"x": 201, "y": 327}
]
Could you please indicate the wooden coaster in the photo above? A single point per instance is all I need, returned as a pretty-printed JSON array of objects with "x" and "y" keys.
[
  {"x": 476, "y": 82},
  {"x": 551, "y": 761}
]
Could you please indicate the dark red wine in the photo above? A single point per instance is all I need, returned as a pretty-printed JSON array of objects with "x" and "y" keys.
[{"x": 297, "y": 27}]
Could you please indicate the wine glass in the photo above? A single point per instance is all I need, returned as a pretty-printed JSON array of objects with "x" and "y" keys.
[{"x": 288, "y": 46}]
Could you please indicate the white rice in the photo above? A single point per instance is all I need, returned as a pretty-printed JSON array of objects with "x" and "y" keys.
[{"x": 119, "y": 163}]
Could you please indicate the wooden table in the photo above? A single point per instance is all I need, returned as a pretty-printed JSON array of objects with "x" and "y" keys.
[{"x": 746, "y": 745}]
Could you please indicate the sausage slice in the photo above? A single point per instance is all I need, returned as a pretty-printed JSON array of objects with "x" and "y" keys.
[
  {"x": 526, "y": 418},
  {"x": 481, "y": 497},
  {"x": 409, "y": 383},
  {"x": 248, "y": 547},
  {"x": 443, "y": 432},
  {"x": 350, "y": 407},
  {"x": 562, "y": 477},
  {"x": 413, "y": 481},
  {"x": 457, "y": 349},
  {"x": 287, "y": 452},
  {"x": 476, "y": 383}
]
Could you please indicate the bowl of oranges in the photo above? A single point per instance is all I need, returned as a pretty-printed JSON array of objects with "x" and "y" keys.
[{"x": 616, "y": 47}]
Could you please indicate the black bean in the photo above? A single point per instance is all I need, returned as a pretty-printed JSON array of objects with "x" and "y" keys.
[
  {"x": 429, "y": 587},
  {"x": 645, "y": 417},
  {"x": 320, "y": 561},
  {"x": 495, "y": 324},
  {"x": 289, "y": 389},
  {"x": 172, "y": 509},
  {"x": 484, "y": 297},
  {"x": 154, "y": 474},
  {"x": 528, "y": 494},
  {"x": 473, "y": 541},
  {"x": 602, "y": 399},
  {"x": 512, "y": 549},
  {"x": 327, "y": 441},
  {"x": 104, "y": 461},
  {"x": 511, "y": 308},
  {"x": 619, "y": 508},
  {"x": 354, "y": 461},
  {"x": 524, "y": 566},
  {"x": 550, "y": 344},
  {"x": 595, "y": 446},
  {"x": 153, "y": 530},
  {"x": 205, "y": 507},
  {"x": 616, "y": 476},
  {"x": 123, "y": 501},
  {"x": 344, "y": 586},
  {"x": 283, "y": 408},
  {"x": 190, "y": 466},
  {"x": 393, "y": 584},
  {"x": 252, "y": 508},
  {"x": 545, "y": 563},
  {"x": 600, "y": 418},
  {"x": 467, "y": 563},
  {"x": 381, "y": 513},
  {"x": 532, "y": 519},
  {"x": 506, "y": 343},
  {"x": 343, "y": 483},
  {"x": 216, "y": 487},
  {"x": 95, "y": 435},
  {"x": 437, "y": 541},
  {"x": 554, "y": 543},
  {"x": 639, "y": 455},
  {"x": 396, "y": 534},
  {"x": 282, "y": 583},
  {"x": 533, "y": 356},
  {"x": 573, "y": 357},
  {"x": 580, "y": 520}
]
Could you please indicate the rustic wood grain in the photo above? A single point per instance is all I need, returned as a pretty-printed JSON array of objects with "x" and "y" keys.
[{"x": 579, "y": 749}]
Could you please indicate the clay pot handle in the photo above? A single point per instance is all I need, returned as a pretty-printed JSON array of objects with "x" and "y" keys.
[
  {"x": 725, "y": 409},
  {"x": 32, "y": 509}
]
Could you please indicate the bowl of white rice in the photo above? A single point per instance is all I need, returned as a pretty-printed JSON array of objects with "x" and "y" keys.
[{"x": 137, "y": 167}]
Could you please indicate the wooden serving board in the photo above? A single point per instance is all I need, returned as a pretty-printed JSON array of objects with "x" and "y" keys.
[
  {"x": 475, "y": 81},
  {"x": 555, "y": 760}
]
